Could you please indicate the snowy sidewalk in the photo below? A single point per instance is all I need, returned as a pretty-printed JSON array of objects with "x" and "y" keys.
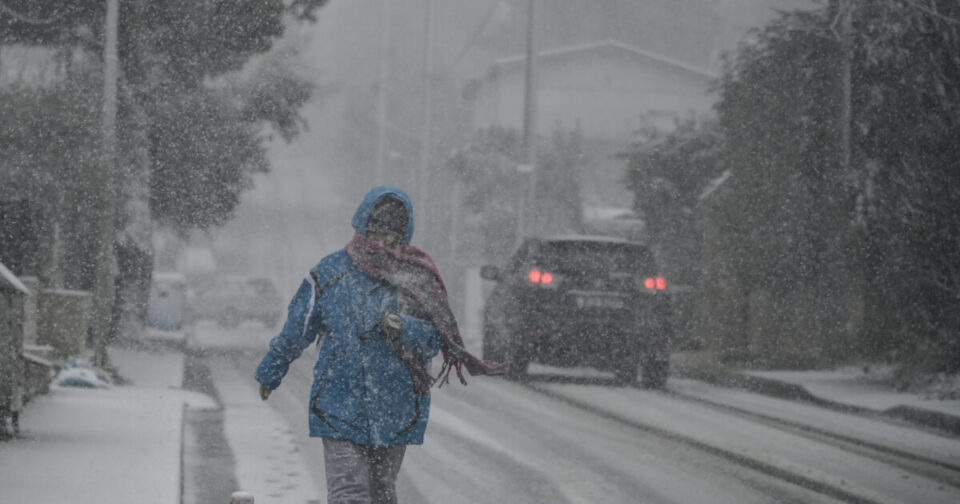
[
  {"x": 848, "y": 388},
  {"x": 102, "y": 446},
  {"x": 270, "y": 463},
  {"x": 854, "y": 389}
]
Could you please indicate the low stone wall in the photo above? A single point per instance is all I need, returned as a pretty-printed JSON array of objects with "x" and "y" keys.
[
  {"x": 11, "y": 341},
  {"x": 64, "y": 320},
  {"x": 36, "y": 374},
  {"x": 30, "y": 310}
]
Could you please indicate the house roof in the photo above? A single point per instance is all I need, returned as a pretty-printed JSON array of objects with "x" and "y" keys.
[
  {"x": 9, "y": 281},
  {"x": 607, "y": 46}
]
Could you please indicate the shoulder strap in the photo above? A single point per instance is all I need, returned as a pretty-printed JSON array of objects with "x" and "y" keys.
[{"x": 318, "y": 290}]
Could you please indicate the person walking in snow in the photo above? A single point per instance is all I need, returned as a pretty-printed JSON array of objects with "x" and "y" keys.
[{"x": 379, "y": 313}]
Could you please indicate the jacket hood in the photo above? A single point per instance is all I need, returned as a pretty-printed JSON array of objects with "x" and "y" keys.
[{"x": 370, "y": 201}]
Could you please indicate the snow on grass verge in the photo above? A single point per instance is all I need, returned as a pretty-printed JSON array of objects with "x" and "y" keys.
[{"x": 267, "y": 453}]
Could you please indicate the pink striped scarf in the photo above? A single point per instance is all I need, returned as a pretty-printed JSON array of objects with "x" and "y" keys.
[{"x": 412, "y": 272}]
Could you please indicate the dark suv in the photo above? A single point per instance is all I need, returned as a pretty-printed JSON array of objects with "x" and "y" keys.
[{"x": 580, "y": 301}]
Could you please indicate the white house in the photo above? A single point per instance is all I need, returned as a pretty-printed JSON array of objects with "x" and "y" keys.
[{"x": 607, "y": 88}]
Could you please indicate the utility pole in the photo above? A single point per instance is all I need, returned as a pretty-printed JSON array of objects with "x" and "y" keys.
[
  {"x": 846, "y": 114},
  {"x": 103, "y": 289},
  {"x": 528, "y": 217},
  {"x": 382, "y": 91},
  {"x": 859, "y": 271},
  {"x": 423, "y": 177}
]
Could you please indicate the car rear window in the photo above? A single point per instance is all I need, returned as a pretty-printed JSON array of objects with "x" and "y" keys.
[{"x": 581, "y": 256}]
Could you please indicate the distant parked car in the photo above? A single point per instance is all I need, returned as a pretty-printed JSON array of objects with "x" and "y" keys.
[
  {"x": 231, "y": 300},
  {"x": 580, "y": 301},
  {"x": 168, "y": 295}
]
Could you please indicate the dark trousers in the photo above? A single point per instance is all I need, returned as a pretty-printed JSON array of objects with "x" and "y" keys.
[{"x": 358, "y": 474}]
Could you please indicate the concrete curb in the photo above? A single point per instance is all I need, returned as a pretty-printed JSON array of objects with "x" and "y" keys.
[
  {"x": 943, "y": 422},
  {"x": 935, "y": 419}
]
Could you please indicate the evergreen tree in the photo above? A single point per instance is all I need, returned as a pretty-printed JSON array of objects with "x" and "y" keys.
[
  {"x": 822, "y": 238},
  {"x": 497, "y": 193},
  {"x": 179, "y": 61}
]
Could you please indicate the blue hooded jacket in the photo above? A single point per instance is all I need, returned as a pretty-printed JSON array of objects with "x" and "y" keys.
[{"x": 362, "y": 390}]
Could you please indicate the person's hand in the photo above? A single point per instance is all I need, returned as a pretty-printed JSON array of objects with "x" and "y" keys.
[
  {"x": 394, "y": 321},
  {"x": 391, "y": 323},
  {"x": 264, "y": 392}
]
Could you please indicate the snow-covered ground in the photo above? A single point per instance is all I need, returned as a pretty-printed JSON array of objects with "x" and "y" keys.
[
  {"x": 268, "y": 454},
  {"x": 124, "y": 443},
  {"x": 819, "y": 462},
  {"x": 100, "y": 446},
  {"x": 851, "y": 385},
  {"x": 894, "y": 435}
]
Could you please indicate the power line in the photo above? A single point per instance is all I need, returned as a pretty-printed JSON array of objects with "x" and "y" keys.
[{"x": 476, "y": 35}]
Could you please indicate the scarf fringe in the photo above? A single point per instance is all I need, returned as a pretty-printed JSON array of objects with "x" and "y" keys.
[
  {"x": 448, "y": 366},
  {"x": 474, "y": 367},
  {"x": 402, "y": 267}
]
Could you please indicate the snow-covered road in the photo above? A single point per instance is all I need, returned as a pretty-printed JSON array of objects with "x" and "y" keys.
[
  {"x": 820, "y": 463},
  {"x": 497, "y": 441},
  {"x": 586, "y": 441}
]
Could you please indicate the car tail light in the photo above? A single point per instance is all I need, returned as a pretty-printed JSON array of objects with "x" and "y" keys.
[
  {"x": 655, "y": 283},
  {"x": 544, "y": 278},
  {"x": 534, "y": 276}
]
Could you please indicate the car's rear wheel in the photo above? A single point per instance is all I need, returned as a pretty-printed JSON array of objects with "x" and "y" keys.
[
  {"x": 519, "y": 362},
  {"x": 626, "y": 372},
  {"x": 654, "y": 370},
  {"x": 497, "y": 348},
  {"x": 492, "y": 345}
]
